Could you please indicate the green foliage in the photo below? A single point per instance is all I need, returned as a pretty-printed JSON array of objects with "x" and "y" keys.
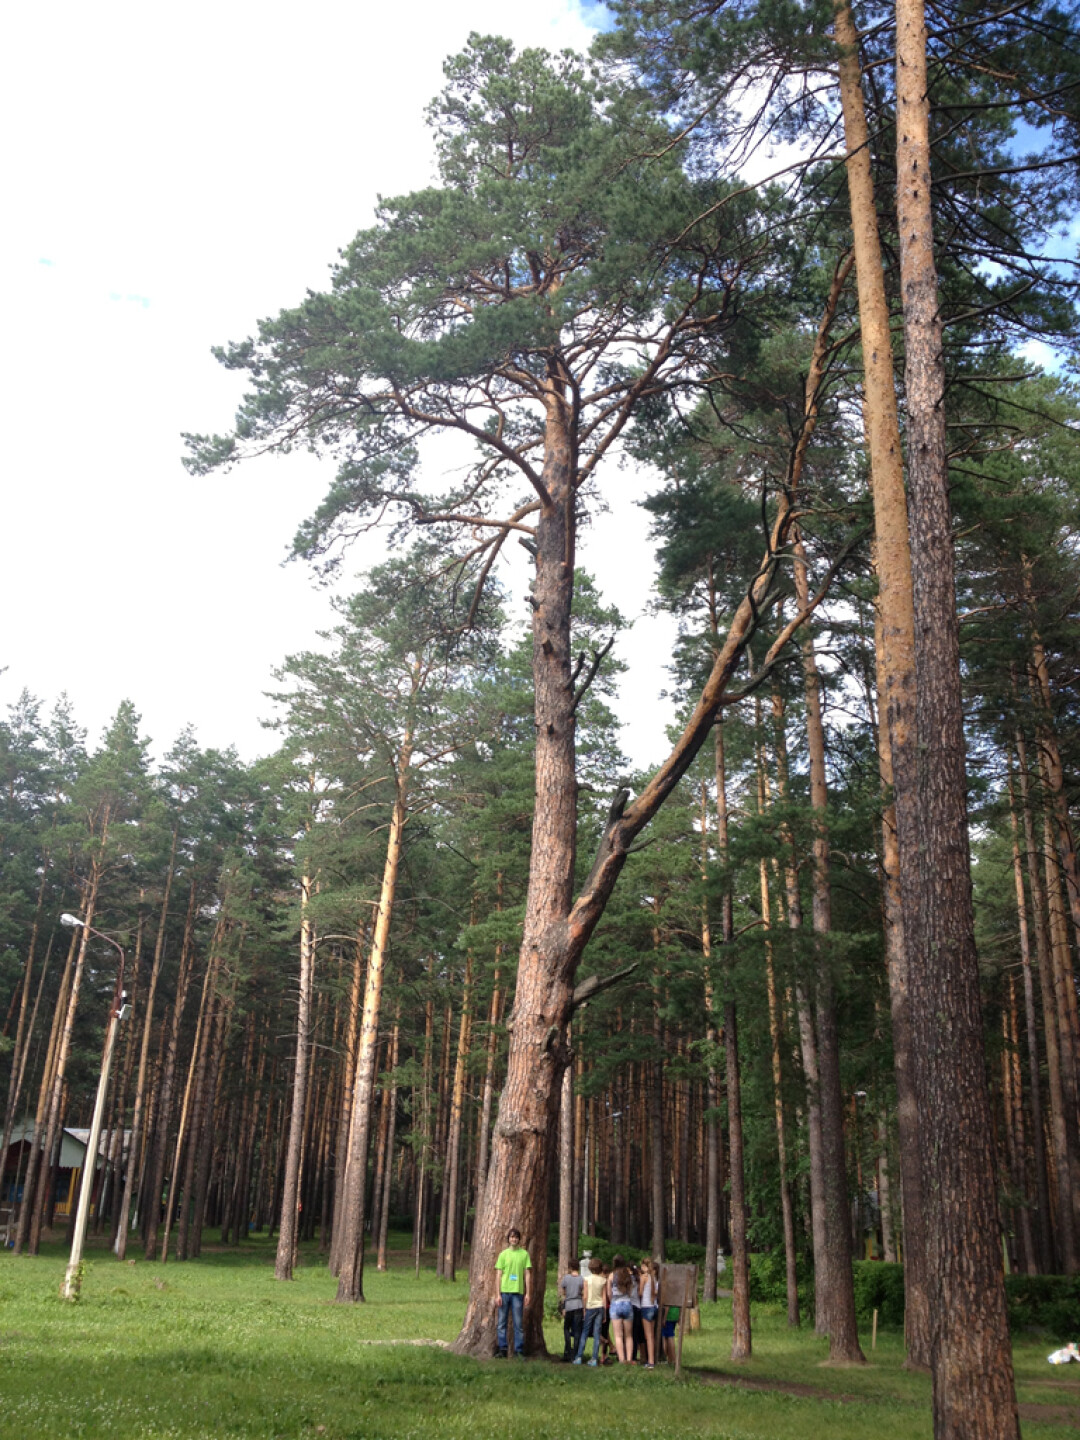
[
  {"x": 768, "y": 1278},
  {"x": 879, "y": 1286},
  {"x": 1049, "y": 1303}
]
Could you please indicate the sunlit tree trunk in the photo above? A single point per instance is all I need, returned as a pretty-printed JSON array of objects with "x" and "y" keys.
[
  {"x": 290, "y": 1199},
  {"x": 351, "y": 1219}
]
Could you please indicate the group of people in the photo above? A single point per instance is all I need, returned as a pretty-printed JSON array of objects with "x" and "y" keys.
[{"x": 619, "y": 1306}]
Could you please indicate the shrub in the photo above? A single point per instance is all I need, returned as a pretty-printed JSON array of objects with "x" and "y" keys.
[
  {"x": 768, "y": 1278},
  {"x": 1044, "y": 1302},
  {"x": 683, "y": 1252},
  {"x": 879, "y": 1285}
]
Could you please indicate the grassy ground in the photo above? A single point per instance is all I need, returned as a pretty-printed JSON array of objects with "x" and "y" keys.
[{"x": 217, "y": 1348}]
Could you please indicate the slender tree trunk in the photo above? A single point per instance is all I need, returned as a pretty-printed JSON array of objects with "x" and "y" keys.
[
  {"x": 341, "y": 1150},
  {"x": 351, "y": 1277},
  {"x": 1063, "y": 987},
  {"x": 1059, "y": 1129},
  {"x": 21, "y": 1047},
  {"x": 786, "y": 1208},
  {"x": 163, "y": 1120},
  {"x": 974, "y": 1396},
  {"x": 37, "y": 1157},
  {"x": 916, "y": 1297},
  {"x": 290, "y": 1203},
  {"x": 712, "y": 1138},
  {"x": 489, "y": 1067},
  {"x": 656, "y": 1126},
  {"x": 808, "y": 1047},
  {"x": 1042, "y": 1193},
  {"x": 384, "y": 1213},
  {"x": 425, "y": 1134},
  {"x": 19, "y": 1058},
  {"x": 840, "y": 1306},
  {"x": 740, "y": 1260},
  {"x": 567, "y": 1238},
  {"x": 43, "y": 1199},
  {"x": 457, "y": 1106}
]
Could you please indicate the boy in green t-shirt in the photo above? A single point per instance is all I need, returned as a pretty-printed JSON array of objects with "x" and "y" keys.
[{"x": 513, "y": 1275}]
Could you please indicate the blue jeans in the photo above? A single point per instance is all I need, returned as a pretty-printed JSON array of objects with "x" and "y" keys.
[
  {"x": 515, "y": 1303},
  {"x": 594, "y": 1319}
]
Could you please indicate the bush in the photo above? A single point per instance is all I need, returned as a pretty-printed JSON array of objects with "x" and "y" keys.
[
  {"x": 879, "y": 1285},
  {"x": 768, "y": 1278},
  {"x": 1044, "y": 1302},
  {"x": 605, "y": 1251},
  {"x": 683, "y": 1252}
]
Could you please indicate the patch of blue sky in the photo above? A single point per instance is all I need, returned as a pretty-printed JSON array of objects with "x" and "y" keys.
[{"x": 596, "y": 14}]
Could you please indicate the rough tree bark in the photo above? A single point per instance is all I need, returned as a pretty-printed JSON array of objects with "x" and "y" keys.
[{"x": 974, "y": 1396}]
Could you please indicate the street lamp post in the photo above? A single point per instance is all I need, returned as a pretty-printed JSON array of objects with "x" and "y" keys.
[{"x": 69, "y": 1290}]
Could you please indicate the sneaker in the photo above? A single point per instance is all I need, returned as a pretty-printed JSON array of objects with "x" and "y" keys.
[
  {"x": 500, "y": 1354},
  {"x": 650, "y": 1367},
  {"x": 591, "y": 1362},
  {"x": 578, "y": 1360}
]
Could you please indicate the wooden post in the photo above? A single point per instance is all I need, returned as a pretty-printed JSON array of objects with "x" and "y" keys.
[
  {"x": 873, "y": 1334},
  {"x": 689, "y": 1296}
]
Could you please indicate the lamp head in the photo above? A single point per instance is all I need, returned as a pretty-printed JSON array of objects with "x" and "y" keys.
[{"x": 71, "y": 920}]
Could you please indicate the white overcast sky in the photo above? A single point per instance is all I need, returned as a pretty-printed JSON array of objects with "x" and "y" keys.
[{"x": 170, "y": 176}]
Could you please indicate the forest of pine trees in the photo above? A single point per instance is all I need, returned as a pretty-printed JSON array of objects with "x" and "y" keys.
[{"x": 804, "y": 989}]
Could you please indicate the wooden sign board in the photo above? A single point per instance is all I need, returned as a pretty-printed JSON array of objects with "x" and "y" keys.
[{"x": 678, "y": 1286}]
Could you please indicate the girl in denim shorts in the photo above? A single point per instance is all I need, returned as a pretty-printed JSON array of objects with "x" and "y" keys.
[{"x": 649, "y": 1287}]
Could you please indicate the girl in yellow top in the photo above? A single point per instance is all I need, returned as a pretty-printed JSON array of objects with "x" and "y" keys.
[{"x": 595, "y": 1285}]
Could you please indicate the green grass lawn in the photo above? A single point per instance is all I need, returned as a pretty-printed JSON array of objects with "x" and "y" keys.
[{"x": 217, "y": 1347}]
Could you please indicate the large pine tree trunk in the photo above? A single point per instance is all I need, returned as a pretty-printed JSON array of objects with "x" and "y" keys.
[
  {"x": 518, "y": 1183},
  {"x": 974, "y": 1396},
  {"x": 290, "y": 1202}
]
